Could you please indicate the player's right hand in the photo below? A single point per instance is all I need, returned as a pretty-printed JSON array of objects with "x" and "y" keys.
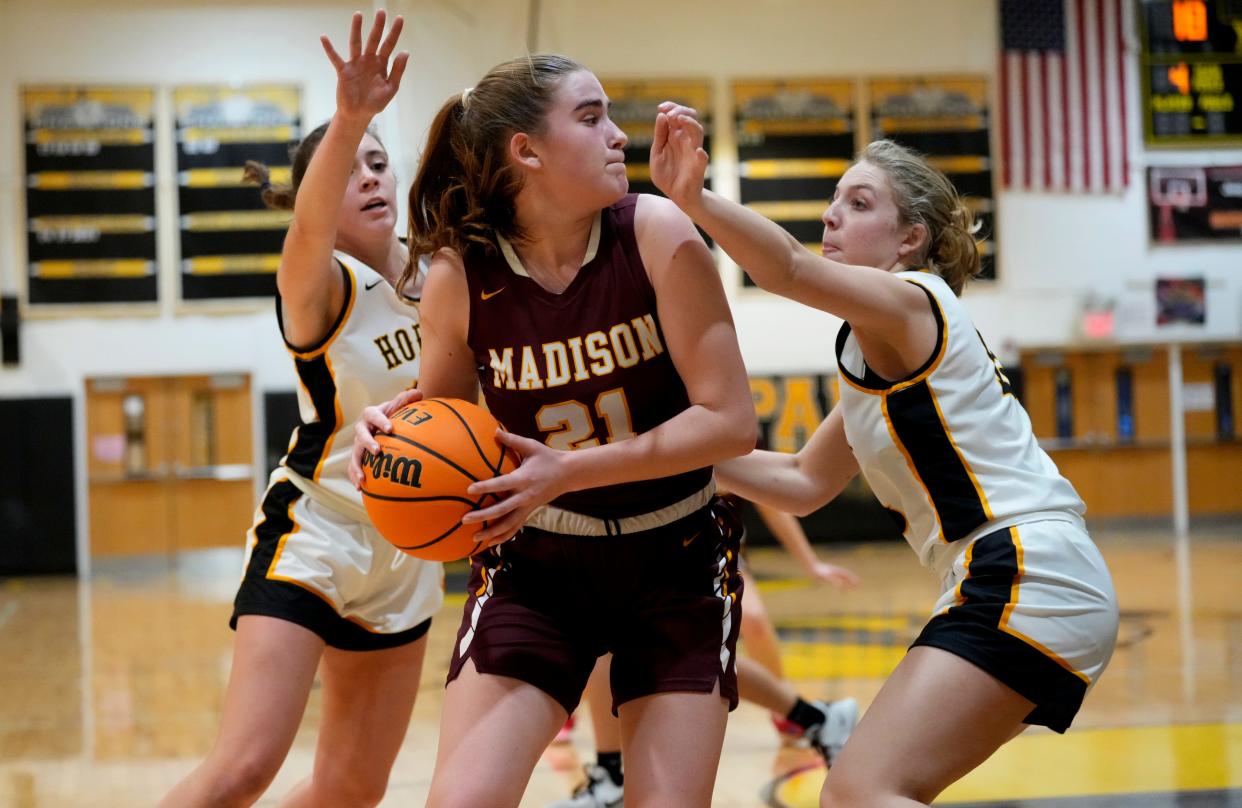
[
  {"x": 375, "y": 419},
  {"x": 364, "y": 84}
]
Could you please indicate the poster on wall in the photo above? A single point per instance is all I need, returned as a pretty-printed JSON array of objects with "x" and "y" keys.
[
  {"x": 945, "y": 118},
  {"x": 230, "y": 242},
  {"x": 90, "y": 195},
  {"x": 1191, "y": 69},
  {"x": 1200, "y": 203},
  {"x": 634, "y": 107},
  {"x": 795, "y": 138}
]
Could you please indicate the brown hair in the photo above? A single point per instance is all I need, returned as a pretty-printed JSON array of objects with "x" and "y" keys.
[
  {"x": 281, "y": 197},
  {"x": 463, "y": 195},
  {"x": 925, "y": 196}
]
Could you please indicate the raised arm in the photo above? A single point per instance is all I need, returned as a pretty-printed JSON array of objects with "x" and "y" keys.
[
  {"x": 311, "y": 286},
  {"x": 871, "y": 299}
]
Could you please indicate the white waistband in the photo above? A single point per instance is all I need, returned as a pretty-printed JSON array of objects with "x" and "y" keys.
[{"x": 559, "y": 520}]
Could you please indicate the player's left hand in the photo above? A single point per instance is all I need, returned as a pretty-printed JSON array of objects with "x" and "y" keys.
[
  {"x": 839, "y": 577},
  {"x": 539, "y": 479},
  {"x": 678, "y": 162}
]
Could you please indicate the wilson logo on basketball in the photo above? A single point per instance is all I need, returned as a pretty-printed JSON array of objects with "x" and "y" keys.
[{"x": 405, "y": 471}]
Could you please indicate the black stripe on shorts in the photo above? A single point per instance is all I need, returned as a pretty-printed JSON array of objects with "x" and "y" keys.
[
  {"x": 971, "y": 630},
  {"x": 260, "y": 595}
]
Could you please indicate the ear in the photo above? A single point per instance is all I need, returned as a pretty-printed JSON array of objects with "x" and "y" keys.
[
  {"x": 915, "y": 241},
  {"x": 522, "y": 151}
]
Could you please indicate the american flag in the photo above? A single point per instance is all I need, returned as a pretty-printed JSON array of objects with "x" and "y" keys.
[{"x": 1062, "y": 95}]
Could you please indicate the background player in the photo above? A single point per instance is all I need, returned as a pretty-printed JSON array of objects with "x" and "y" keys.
[{"x": 322, "y": 590}]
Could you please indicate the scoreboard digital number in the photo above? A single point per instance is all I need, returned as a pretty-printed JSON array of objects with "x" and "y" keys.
[{"x": 1192, "y": 71}]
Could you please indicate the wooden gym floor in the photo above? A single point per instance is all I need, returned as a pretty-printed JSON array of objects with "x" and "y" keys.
[{"x": 110, "y": 689}]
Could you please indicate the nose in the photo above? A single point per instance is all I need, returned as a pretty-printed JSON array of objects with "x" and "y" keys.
[
  {"x": 369, "y": 180},
  {"x": 829, "y": 218},
  {"x": 619, "y": 139}
]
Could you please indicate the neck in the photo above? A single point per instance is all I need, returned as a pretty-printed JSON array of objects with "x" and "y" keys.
[
  {"x": 556, "y": 240},
  {"x": 388, "y": 258}
]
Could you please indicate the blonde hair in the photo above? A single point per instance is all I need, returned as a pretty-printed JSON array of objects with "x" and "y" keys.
[{"x": 923, "y": 195}]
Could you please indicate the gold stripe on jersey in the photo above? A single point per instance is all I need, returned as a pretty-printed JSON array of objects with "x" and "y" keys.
[
  {"x": 1013, "y": 601},
  {"x": 351, "y": 295},
  {"x": 942, "y": 348}
]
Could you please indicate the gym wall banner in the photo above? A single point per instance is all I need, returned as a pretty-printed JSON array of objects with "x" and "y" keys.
[
  {"x": 795, "y": 138},
  {"x": 90, "y": 195},
  {"x": 230, "y": 242},
  {"x": 947, "y": 119}
]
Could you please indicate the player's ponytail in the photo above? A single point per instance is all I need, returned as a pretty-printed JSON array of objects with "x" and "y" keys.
[
  {"x": 464, "y": 194},
  {"x": 925, "y": 196},
  {"x": 275, "y": 196}
]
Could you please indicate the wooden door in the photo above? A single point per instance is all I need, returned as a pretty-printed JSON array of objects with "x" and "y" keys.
[{"x": 170, "y": 463}]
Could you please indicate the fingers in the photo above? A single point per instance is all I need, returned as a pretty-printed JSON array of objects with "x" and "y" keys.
[
  {"x": 398, "y": 401},
  {"x": 355, "y": 36},
  {"x": 335, "y": 58},
  {"x": 390, "y": 41},
  {"x": 373, "y": 420},
  {"x": 398, "y": 69},
  {"x": 377, "y": 30},
  {"x": 493, "y": 512},
  {"x": 660, "y": 137}
]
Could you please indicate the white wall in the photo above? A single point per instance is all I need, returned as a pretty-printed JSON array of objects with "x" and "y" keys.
[{"x": 1053, "y": 248}]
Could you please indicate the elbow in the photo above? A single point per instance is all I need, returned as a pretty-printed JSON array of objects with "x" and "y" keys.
[{"x": 744, "y": 438}]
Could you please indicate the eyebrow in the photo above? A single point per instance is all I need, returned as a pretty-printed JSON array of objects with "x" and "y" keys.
[
  {"x": 593, "y": 102},
  {"x": 376, "y": 153}
]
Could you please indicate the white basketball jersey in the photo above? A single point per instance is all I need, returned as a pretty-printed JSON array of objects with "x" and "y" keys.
[
  {"x": 370, "y": 354},
  {"x": 948, "y": 451}
]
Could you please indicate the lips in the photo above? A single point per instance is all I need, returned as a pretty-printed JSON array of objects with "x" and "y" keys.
[{"x": 375, "y": 204}]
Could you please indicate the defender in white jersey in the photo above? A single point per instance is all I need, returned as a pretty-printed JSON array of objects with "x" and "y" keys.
[
  {"x": 1028, "y": 618},
  {"x": 323, "y": 591}
]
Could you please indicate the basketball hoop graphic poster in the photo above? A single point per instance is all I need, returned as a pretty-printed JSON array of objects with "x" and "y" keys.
[{"x": 1195, "y": 203}]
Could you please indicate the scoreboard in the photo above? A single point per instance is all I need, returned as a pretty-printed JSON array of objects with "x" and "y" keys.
[{"x": 1192, "y": 72}]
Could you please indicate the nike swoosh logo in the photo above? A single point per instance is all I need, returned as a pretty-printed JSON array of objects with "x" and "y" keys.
[
  {"x": 371, "y": 286},
  {"x": 689, "y": 541},
  {"x": 489, "y": 295}
]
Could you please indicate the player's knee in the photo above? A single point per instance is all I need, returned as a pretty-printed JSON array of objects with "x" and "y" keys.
[
  {"x": 844, "y": 790},
  {"x": 244, "y": 780}
]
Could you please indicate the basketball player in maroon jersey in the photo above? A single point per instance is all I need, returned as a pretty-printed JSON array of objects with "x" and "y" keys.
[{"x": 596, "y": 324}]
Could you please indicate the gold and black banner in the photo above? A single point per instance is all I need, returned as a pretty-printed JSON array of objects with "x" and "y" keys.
[
  {"x": 947, "y": 119},
  {"x": 230, "y": 243},
  {"x": 795, "y": 138},
  {"x": 634, "y": 106},
  {"x": 90, "y": 195}
]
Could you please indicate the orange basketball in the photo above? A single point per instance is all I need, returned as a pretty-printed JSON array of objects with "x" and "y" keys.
[{"x": 414, "y": 490}]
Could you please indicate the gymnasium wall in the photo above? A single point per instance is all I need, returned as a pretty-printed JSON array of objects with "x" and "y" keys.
[{"x": 1054, "y": 248}]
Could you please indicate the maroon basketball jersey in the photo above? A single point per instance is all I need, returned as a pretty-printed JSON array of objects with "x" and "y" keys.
[{"x": 582, "y": 368}]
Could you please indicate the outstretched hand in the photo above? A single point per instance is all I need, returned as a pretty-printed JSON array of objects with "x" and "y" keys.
[
  {"x": 678, "y": 162},
  {"x": 365, "y": 84}
]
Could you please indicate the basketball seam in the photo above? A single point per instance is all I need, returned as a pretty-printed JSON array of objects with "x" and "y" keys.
[
  {"x": 473, "y": 439},
  {"x": 389, "y": 498},
  {"x": 433, "y": 453}
]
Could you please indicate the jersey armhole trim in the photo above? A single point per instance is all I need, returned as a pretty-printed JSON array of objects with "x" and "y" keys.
[
  {"x": 867, "y": 384},
  {"x": 351, "y": 294}
]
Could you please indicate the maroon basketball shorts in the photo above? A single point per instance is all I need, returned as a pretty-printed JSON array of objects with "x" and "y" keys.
[{"x": 666, "y": 602}]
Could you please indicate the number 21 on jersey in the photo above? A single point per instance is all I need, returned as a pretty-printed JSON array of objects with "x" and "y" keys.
[{"x": 572, "y": 425}]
